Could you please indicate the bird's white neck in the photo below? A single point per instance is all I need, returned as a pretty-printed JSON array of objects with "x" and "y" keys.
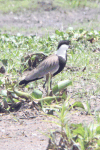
[{"x": 62, "y": 51}]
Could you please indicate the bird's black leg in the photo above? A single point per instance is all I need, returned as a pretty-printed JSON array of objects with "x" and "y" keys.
[
  {"x": 50, "y": 83},
  {"x": 44, "y": 84}
]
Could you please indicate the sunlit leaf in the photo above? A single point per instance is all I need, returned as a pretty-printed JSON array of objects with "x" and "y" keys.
[
  {"x": 97, "y": 148},
  {"x": 23, "y": 95},
  {"x": 1, "y": 82},
  {"x": 76, "y": 125},
  {"x": 98, "y": 142},
  {"x": 81, "y": 30},
  {"x": 98, "y": 130},
  {"x": 15, "y": 100},
  {"x": 37, "y": 94},
  {"x": 79, "y": 131},
  {"x": 59, "y": 33},
  {"x": 61, "y": 85},
  {"x": 78, "y": 104},
  {"x": 64, "y": 96}
]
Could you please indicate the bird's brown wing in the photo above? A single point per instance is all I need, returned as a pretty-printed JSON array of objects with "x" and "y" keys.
[{"x": 50, "y": 64}]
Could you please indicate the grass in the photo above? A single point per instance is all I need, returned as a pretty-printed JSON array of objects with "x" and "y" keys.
[
  {"x": 27, "y": 31},
  {"x": 16, "y": 6},
  {"x": 82, "y": 68},
  {"x": 76, "y": 3}
]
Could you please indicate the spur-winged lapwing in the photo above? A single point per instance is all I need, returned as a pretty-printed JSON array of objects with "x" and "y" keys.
[{"x": 53, "y": 64}]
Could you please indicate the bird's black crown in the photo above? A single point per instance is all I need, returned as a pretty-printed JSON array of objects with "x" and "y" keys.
[{"x": 67, "y": 42}]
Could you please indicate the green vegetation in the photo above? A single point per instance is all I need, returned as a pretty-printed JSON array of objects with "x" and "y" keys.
[
  {"x": 17, "y": 52},
  {"x": 15, "y": 6},
  {"x": 74, "y": 136},
  {"x": 76, "y": 3}
]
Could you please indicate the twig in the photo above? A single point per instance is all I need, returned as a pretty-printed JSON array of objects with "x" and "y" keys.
[{"x": 30, "y": 55}]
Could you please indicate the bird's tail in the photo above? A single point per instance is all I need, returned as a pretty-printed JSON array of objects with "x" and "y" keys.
[{"x": 23, "y": 82}]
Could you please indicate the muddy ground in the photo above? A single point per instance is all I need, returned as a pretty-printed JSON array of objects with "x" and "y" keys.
[{"x": 26, "y": 128}]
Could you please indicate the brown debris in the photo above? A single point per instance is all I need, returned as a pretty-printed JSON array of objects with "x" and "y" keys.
[{"x": 2, "y": 69}]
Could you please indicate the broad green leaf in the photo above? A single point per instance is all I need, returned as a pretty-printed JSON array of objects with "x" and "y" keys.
[
  {"x": 37, "y": 94},
  {"x": 98, "y": 130},
  {"x": 64, "y": 96},
  {"x": 97, "y": 148},
  {"x": 77, "y": 125},
  {"x": 15, "y": 100},
  {"x": 79, "y": 131},
  {"x": 78, "y": 104},
  {"x": 9, "y": 100},
  {"x": 1, "y": 82},
  {"x": 23, "y": 95},
  {"x": 59, "y": 33},
  {"x": 81, "y": 30},
  {"x": 61, "y": 85},
  {"x": 98, "y": 142}
]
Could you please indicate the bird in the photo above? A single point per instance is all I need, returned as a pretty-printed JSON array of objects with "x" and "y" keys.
[{"x": 53, "y": 64}]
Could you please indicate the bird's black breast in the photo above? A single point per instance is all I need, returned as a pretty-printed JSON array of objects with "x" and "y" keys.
[{"x": 62, "y": 63}]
